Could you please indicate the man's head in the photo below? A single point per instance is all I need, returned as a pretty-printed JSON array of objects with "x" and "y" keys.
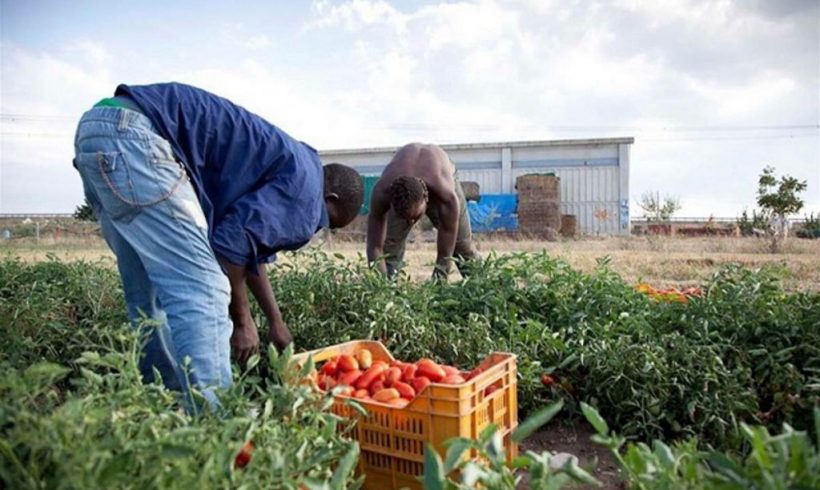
[
  {"x": 344, "y": 193},
  {"x": 408, "y": 197}
]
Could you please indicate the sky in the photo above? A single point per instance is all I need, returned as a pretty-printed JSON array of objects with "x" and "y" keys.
[{"x": 712, "y": 90}]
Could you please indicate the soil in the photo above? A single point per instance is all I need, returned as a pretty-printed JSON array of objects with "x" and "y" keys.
[{"x": 562, "y": 436}]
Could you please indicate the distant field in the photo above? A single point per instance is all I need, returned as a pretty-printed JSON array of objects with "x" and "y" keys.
[{"x": 659, "y": 260}]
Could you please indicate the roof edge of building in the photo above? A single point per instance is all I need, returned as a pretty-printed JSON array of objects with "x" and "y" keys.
[{"x": 482, "y": 146}]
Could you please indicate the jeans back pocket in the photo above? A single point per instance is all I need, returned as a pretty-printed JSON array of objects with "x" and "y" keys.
[{"x": 127, "y": 182}]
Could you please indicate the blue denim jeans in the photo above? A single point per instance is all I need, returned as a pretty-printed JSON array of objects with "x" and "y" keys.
[{"x": 175, "y": 289}]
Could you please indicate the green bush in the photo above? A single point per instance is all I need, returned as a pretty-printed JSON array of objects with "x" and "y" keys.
[
  {"x": 101, "y": 427},
  {"x": 746, "y": 352}
]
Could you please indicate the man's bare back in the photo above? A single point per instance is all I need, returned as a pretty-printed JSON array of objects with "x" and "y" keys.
[
  {"x": 420, "y": 179},
  {"x": 427, "y": 162}
]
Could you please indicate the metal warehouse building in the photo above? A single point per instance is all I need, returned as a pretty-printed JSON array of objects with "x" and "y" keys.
[{"x": 594, "y": 173}]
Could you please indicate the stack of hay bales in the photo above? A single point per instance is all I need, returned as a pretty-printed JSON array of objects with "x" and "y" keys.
[{"x": 539, "y": 205}]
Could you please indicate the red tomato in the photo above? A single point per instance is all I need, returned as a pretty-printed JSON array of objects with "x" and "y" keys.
[
  {"x": 453, "y": 379},
  {"x": 430, "y": 370},
  {"x": 392, "y": 376},
  {"x": 244, "y": 456},
  {"x": 450, "y": 370},
  {"x": 361, "y": 394},
  {"x": 349, "y": 378},
  {"x": 405, "y": 390},
  {"x": 375, "y": 386},
  {"x": 330, "y": 367},
  {"x": 399, "y": 402},
  {"x": 475, "y": 372},
  {"x": 399, "y": 364},
  {"x": 348, "y": 363},
  {"x": 326, "y": 382},
  {"x": 386, "y": 395},
  {"x": 370, "y": 375},
  {"x": 409, "y": 373},
  {"x": 547, "y": 380},
  {"x": 420, "y": 383}
]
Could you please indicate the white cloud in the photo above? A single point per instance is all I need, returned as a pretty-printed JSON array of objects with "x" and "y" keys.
[
  {"x": 382, "y": 74},
  {"x": 725, "y": 17},
  {"x": 236, "y": 34},
  {"x": 46, "y": 93},
  {"x": 356, "y": 14},
  {"x": 746, "y": 99},
  {"x": 465, "y": 24}
]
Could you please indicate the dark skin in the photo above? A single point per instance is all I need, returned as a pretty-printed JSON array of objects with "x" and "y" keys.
[
  {"x": 432, "y": 165},
  {"x": 245, "y": 337}
]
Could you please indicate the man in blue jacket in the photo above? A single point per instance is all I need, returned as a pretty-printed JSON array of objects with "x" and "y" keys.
[{"x": 195, "y": 195}]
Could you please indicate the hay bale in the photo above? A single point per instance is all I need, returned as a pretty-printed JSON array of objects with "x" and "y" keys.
[
  {"x": 539, "y": 205},
  {"x": 538, "y": 187},
  {"x": 569, "y": 225},
  {"x": 538, "y": 216},
  {"x": 471, "y": 190}
]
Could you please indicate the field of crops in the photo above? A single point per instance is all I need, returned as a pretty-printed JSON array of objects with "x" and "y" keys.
[{"x": 692, "y": 374}]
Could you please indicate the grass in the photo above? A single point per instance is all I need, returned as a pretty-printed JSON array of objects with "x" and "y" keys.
[{"x": 661, "y": 261}]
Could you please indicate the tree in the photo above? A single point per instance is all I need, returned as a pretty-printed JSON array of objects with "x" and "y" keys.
[
  {"x": 656, "y": 210},
  {"x": 84, "y": 212},
  {"x": 779, "y": 199}
]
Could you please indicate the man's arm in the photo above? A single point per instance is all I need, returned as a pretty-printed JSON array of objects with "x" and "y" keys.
[
  {"x": 245, "y": 337},
  {"x": 278, "y": 333},
  {"x": 376, "y": 231},
  {"x": 447, "y": 234}
]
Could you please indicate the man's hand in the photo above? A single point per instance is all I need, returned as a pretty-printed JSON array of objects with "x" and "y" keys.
[
  {"x": 441, "y": 270},
  {"x": 279, "y": 335},
  {"x": 244, "y": 340}
]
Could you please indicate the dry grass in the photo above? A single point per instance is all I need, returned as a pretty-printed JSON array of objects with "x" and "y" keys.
[{"x": 661, "y": 261}]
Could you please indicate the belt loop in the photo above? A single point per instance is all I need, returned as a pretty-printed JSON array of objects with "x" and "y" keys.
[{"x": 125, "y": 118}]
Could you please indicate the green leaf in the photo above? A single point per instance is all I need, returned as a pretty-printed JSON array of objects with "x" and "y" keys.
[
  {"x": 45, "y": 372},
  {"x": 571, "y": 358},
  {"x": 345, "y": 468},
  {"x": 433, "y": 478},
  {"x": 578, "y": 473},
  {"x": 728, "y": 468},
  {"x": 487, "y": 433},
  {"x": 252, "y": 362},
  {"x": 470, "y": 475},
  {"x": 664, "y": 454},
  {"x": 314, "y": 484},
  {"x": 594, "y": 418},
  {"x": 454, "y": 454},
  {"x": 356, "y": 406},
  {"x": 170, "y": 450},
  {"x": 521, "y": 462},
  {"x": 817, "y": 427},
  {"x": 495, "y": 448},
  {"x": 307, "y": 368},
  {"x": 536, "y": 421}
]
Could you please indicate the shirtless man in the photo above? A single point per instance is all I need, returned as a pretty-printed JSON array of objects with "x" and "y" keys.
[{"x": 420, "y": 179}]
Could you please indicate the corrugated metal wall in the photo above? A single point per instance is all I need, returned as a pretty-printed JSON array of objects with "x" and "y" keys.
[
  {"x": 489, "y": 180},
  {"x": 591, "y": 180},
  {"x": 586, "y": 191}
]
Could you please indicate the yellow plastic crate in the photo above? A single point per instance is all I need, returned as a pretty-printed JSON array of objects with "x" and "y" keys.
[{"x": 393, "y": 439}]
